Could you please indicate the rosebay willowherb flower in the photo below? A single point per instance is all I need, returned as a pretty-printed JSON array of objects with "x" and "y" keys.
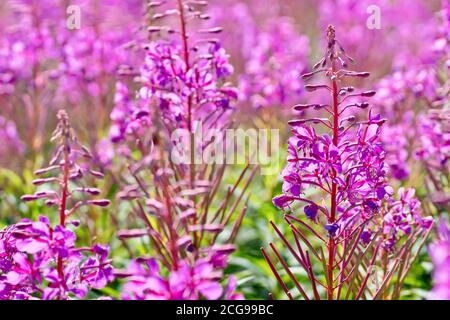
[
  {"x": 433, "y": 152},
  {"x": 400, "y": 98},
  {"x": 372, "y": 26},
  {"x": 433, "y": 147},
  {"x": 190, "y": 222},
  {"x": 181, "y": 68},
  {"x": 39, "y": 259},
  {"x": 347, "y": 228},
  {"x": 13, "y": 143},
  {"x": 278, "y": 56},
  {"x": 268, "y": 57},
  {"x": 415, "y": 100},
  {"x": 50, "y": 65}
]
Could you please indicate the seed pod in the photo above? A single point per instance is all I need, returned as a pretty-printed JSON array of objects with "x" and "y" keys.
[
  {"x": 28, "y": 197},
  {"x": 38, "y": 182},
  {"x": 369, "y": 93},
  {"x": 100, "y": 203}
]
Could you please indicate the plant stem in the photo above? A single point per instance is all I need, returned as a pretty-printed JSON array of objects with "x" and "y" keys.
[
  {"x": 65, "y": 182},
  {"x": 332, "y": 218},
  {"x": 62, "y": 207},
  {"x": 184, "y": 39}
]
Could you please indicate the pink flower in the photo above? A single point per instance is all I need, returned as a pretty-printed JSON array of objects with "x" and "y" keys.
[
  {"x": 29, "y": 250},
  {"x": 187, "y": 282}
]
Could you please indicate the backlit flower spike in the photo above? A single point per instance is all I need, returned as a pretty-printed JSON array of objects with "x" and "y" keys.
[
  {"x": 66, "y": 62},
  {"x": 273, "y": 64},
  {"x": 40, "y": 260},
  {"x": 335, "y": 189},
  {"x": 183, "y": 82},
  {"x": 415, "y": 100},
  {"x": 185, "y": 65},
  {"x": 67, "y": 166},
  {"x": 372, "y": 26}
]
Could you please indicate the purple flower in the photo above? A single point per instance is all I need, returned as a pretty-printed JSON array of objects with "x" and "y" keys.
[
  {"x": 282, "y": 201},
  {"x": 183, "y": 82},
  {"x": 403, "y": 216},
  {"x": 311, "y": 211},
  {"x": 396, "y": 39},
  {"x": 366, "y": 236},
  {"x": 273, "y": 66},
  {"x": 332, "y": 228},
  {"x": 28, "y": 253},
  {"x": 39, "y": 260},
  {"x": 336, "y": 169},
  {"x": 12, "y": 142},
  {"x": 188, "y": 281}
]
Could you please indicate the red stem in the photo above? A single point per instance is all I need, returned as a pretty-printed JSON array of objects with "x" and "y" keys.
[
  {"x": 62, "y": 208},
  {"x": 332, "y": 218},
  {"x": 276, "y": 274},
  {"x": 184, "y": 39}
]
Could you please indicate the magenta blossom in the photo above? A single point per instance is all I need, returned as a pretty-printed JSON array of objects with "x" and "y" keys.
[
  {"x": 271, "y": 76},
  {"x": 188, "y": 282},
  {"x": 12, "y": 141},
  {"x": 336, "y": 199},
  {"x": 28, "y": 252},
  {"x": 403, "y": 217}
]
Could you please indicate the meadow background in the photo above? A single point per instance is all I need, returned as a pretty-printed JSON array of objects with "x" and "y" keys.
[{"x": 45, "y": 66}]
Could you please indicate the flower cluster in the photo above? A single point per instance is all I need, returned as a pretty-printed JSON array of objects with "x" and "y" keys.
[
  {"x": 188, "y": 282},
  {"x": 183, "y": 81},
  {"x": 29, "y": 269},
  {"x": 397, "y": 99},
  {"x": 27, "y": 42},
  {"x": 127, "y": 117},
  {"x": 168, "y": 94},
  {"x": 78, "y": 56},
  {"x": 98, "y": 49},
  {"x": 373, "y": 26},
  {"x": 402, "y": 217},
  {"x": 174, "y": 78},
  {"x": 413, "y": 99},
  {"x": 173, "y": 84},
  {"x": 347, "y": 166},
  {"x": 51, "y": 65},
  {"x": 39, "y": 260},
  {"x": 356, "y": 166},
  {"x": 271, "y": 76},
  {"x": 434, "y": 148}
]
